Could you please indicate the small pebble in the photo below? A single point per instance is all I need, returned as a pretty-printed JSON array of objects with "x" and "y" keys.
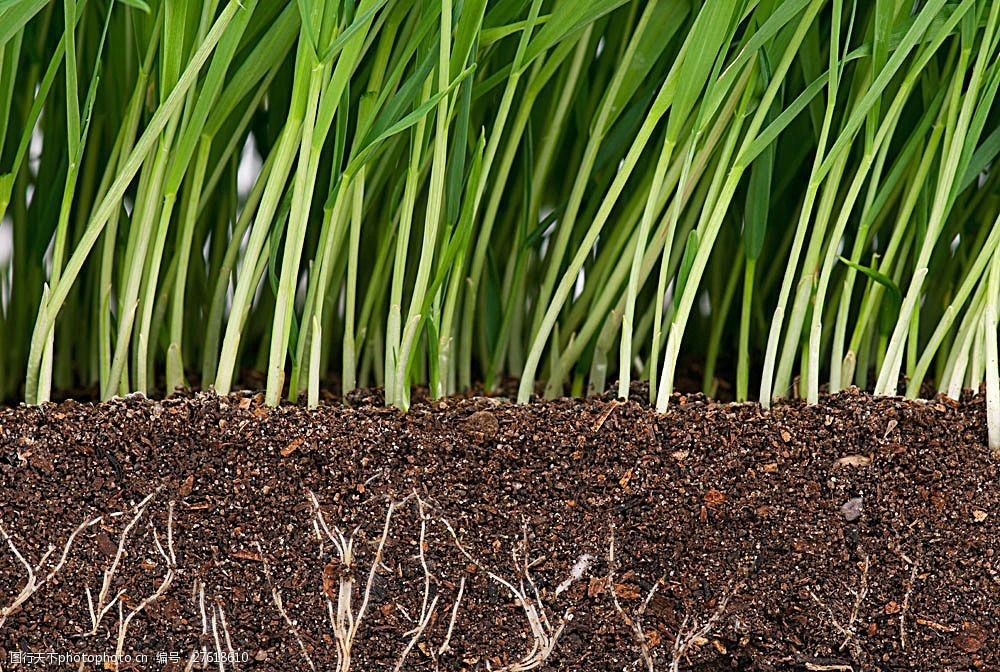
[{"x": 851, "y": 509}]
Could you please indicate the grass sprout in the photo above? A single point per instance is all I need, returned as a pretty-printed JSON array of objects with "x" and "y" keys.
[{"x": 783, "y": 198}]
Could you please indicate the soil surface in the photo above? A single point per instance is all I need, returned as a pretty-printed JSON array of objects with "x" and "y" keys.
[{"x": 474, "y": 534}]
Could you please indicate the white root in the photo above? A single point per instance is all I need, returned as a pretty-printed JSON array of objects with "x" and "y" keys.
[
  {"x": 344, "y": 618},
  {"x": 103, "y": 606},
  {"x": 417, "y": 633},
  {"x": 576, "y": 573},
  {"x": 199, "y": 589},
  {"x": 860, "y": 594},
  {"x": 428, "y": 605},
  {"x": 545, "y": 634},
  {"x": 171, "y": 562},
  {"x": 426, "y": 609},
  {"x": 688, "y": 637},
  {"x": 198, "y": 597},
  {"x": 848, "y": 630},
  {"x": 906, "y": 605},
  {"x": 633, "y": 621},
  {"x": 446, "y": 644},
  {"x": 216, "y": 623},
  {"x": 225, "y": 633},
  {"x": 32, "y": 584},
  {"x": 276, "y": 596},
  {"x": 218, "y": 643}
]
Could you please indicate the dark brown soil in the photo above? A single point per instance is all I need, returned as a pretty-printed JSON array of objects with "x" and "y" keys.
[{"x": 859, "y": 534}]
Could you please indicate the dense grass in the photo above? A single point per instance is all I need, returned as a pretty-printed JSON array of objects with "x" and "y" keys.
[{"x": 461, "y": 190}]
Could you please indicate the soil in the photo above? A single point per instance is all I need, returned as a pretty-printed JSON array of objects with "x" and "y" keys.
[{"x": 474, "y": 534}]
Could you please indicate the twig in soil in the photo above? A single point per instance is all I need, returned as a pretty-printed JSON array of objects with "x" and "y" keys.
[
  {"x": 634, "y": 622},
  {"x": 850, "y": 636},
  {"x": 906, "y": 605},
  {"x": 171, "y": 561},
  {"x": 546, "y": 636},
  {"x": 345, "y": 620},
  {"x": 828, "y": 667},
  {"x": 276, "y": 596},
  {"x": 688, "y": 637},
  {"x": 606, "y": 414},
  {"x": 32, "y": 585},
  {"x": 939, "y": 627},
  {"x": 103, "y": 606}
]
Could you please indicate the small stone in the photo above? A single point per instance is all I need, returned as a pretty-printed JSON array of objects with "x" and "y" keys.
[
  {"x": 979, "y": 516},
  {"x": 851, "y": 509},
  {"x": 483, "y": 423}
]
